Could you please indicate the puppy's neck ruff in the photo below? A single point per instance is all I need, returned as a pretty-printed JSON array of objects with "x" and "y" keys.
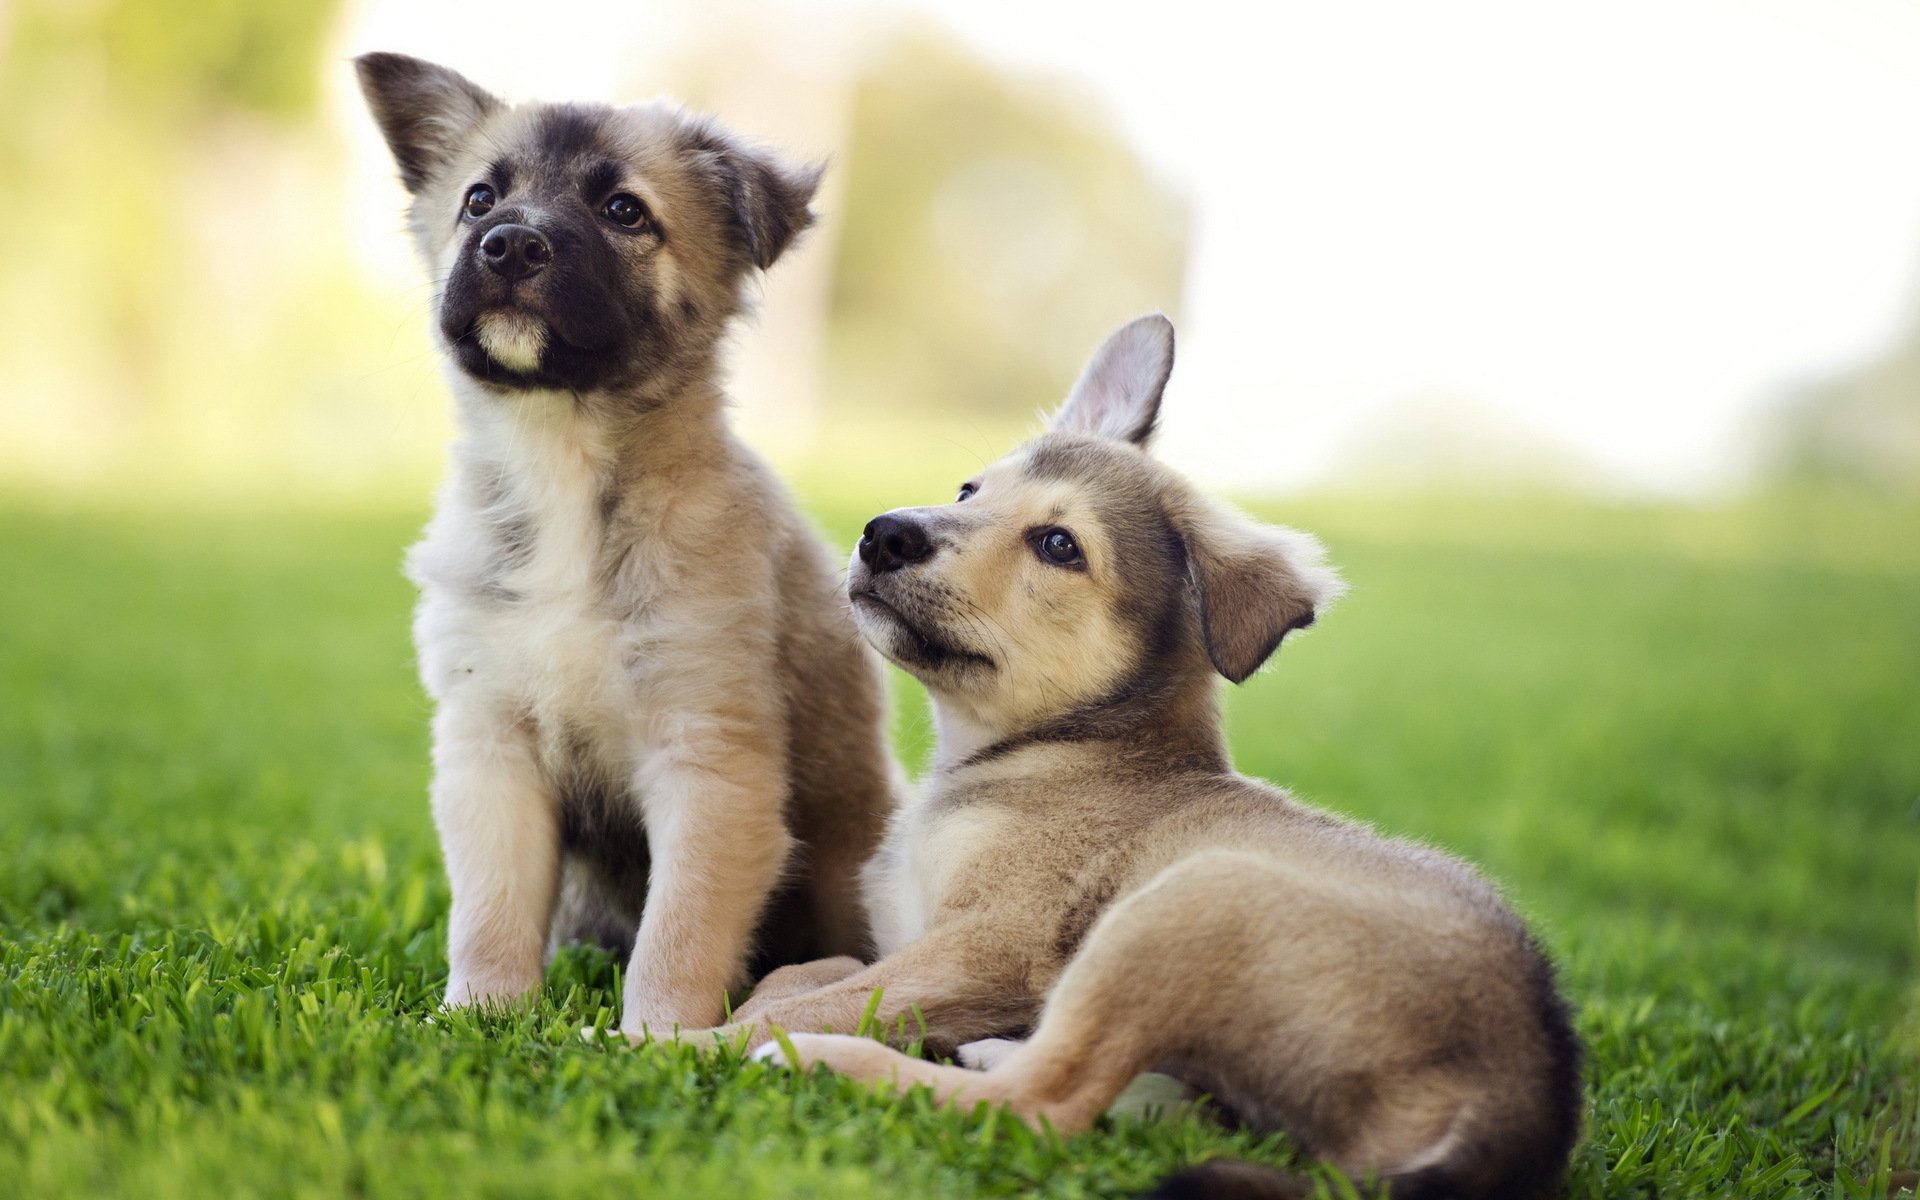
[
  {"x": 665, "y": 428},
  {"x": 1174, "y": 719},
  {"x": 959, "y": 735}
]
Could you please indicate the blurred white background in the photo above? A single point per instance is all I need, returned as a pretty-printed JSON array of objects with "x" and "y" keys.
[{"x": 1662, "y": 248}]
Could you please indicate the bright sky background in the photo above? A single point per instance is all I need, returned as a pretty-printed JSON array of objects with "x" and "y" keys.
[{"x": 1617, "y": 228}]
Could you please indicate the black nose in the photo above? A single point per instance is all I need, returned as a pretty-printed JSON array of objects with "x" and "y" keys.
[
  {"x": 515, "y": 251},
  {"x": 890, "y": 543}
]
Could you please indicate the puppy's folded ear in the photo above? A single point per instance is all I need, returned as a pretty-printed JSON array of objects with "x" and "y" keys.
[
  {"x": 1256, "y": 584},
  {"x": 1118, "y": 393},
  {"x": 425, "y": 111},
  {"x": 768, "y": 201}
]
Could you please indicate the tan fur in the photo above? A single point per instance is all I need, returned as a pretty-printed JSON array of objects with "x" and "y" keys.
[
  {"x": 655, "y": 725},
  {"x": 1083, "y": 862}
]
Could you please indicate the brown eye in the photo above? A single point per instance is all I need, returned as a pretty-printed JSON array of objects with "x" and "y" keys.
[
  {"x": 480, "y": 201},
  {"x": 625, "y": 210},
  {"x": 1058, "y": 547},
  {"x": 966, "y": 489}
]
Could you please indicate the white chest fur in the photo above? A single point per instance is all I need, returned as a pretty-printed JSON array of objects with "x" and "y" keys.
[
  {"x": 513, "y": 615},
  {"x": 908, "y": 877}
]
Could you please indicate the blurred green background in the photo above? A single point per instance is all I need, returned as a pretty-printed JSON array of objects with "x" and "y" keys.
[
  {"x": 207, "y": 304},
  {"x": 1682, "y": 726}
]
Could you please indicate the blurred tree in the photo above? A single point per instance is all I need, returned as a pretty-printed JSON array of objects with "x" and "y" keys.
[
  {"x": 171, "y": 58},
  {"x": 1858, "y": 430},
  {"x": 994, "y": 229},
  {"x": 156, "y": 149},
  {"x": 186, "y": 297}
]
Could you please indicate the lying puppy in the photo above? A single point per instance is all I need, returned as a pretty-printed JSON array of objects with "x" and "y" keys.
[
  {"x": 655, "y": 727},
  {"x": 1084, "y": 861}
]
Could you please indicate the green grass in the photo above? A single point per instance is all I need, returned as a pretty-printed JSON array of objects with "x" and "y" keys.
[{"x": 1687, "y": 743}]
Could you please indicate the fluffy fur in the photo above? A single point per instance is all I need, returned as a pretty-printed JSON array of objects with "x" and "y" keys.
[
  {"x": 655, "y": 726},
  {"x": 1083, "y": 863}
]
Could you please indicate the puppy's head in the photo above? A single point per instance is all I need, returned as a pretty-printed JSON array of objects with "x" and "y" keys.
[
  {"x": 1078, "y": 570},
  {"x": 578, "y": 247}
]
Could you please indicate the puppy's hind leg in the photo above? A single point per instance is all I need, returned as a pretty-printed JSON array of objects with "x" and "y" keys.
[
  {"x": 1121, "y": 1005},
  {"x": 1149, "y": 1096},
  {"x": 1124, "y": 1002},
  {"x": 1064, "y": 1077}
]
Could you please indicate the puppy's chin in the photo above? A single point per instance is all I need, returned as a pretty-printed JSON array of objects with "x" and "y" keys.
[
  {"x": 921, "y": 651},
  {"x": 881, "y": 626},
  {"x": 514, "y": 339}
]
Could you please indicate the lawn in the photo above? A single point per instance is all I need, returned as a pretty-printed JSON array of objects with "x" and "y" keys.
[{"x": 1686, "y": 742}]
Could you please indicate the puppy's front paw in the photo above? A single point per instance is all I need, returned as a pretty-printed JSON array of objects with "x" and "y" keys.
[
  {"x": 488, "y": 997},
  {"x": 987, "y": 1053},
  {"x": 594, "y": 1034},
  {"x": 855, "y": 1057},
  {"x": 649, "y": 1035},
  {"x": 807, "y": 1049},
  {"x": 773, "y": 1054},
  {"x": 664, "y": 1011},
  {"x": 701, "y": 1041}
]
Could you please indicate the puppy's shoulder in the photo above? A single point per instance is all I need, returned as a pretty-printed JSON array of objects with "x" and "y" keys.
[{"x": 1262, "y": 814}]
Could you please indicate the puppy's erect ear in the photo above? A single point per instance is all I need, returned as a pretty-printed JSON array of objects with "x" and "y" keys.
[
  {"x": 767, "y": 200},
  {"x": 425, "y": 111},
  {"x": 1256, "y": 584},
  {"x": 1118, "y": 393}
]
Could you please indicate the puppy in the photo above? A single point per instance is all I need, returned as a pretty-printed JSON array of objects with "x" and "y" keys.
[
  {"x": 655, "y": 726},
  {"x": 1083, "y": 861}
]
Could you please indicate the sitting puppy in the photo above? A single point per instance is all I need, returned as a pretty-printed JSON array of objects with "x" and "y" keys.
[
  {"x": 1083, "y": 861},
  {"x": 654, "y": 725}
]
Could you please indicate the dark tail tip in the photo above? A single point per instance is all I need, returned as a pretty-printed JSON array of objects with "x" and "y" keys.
[{"x": 1230, "y": 1179}]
